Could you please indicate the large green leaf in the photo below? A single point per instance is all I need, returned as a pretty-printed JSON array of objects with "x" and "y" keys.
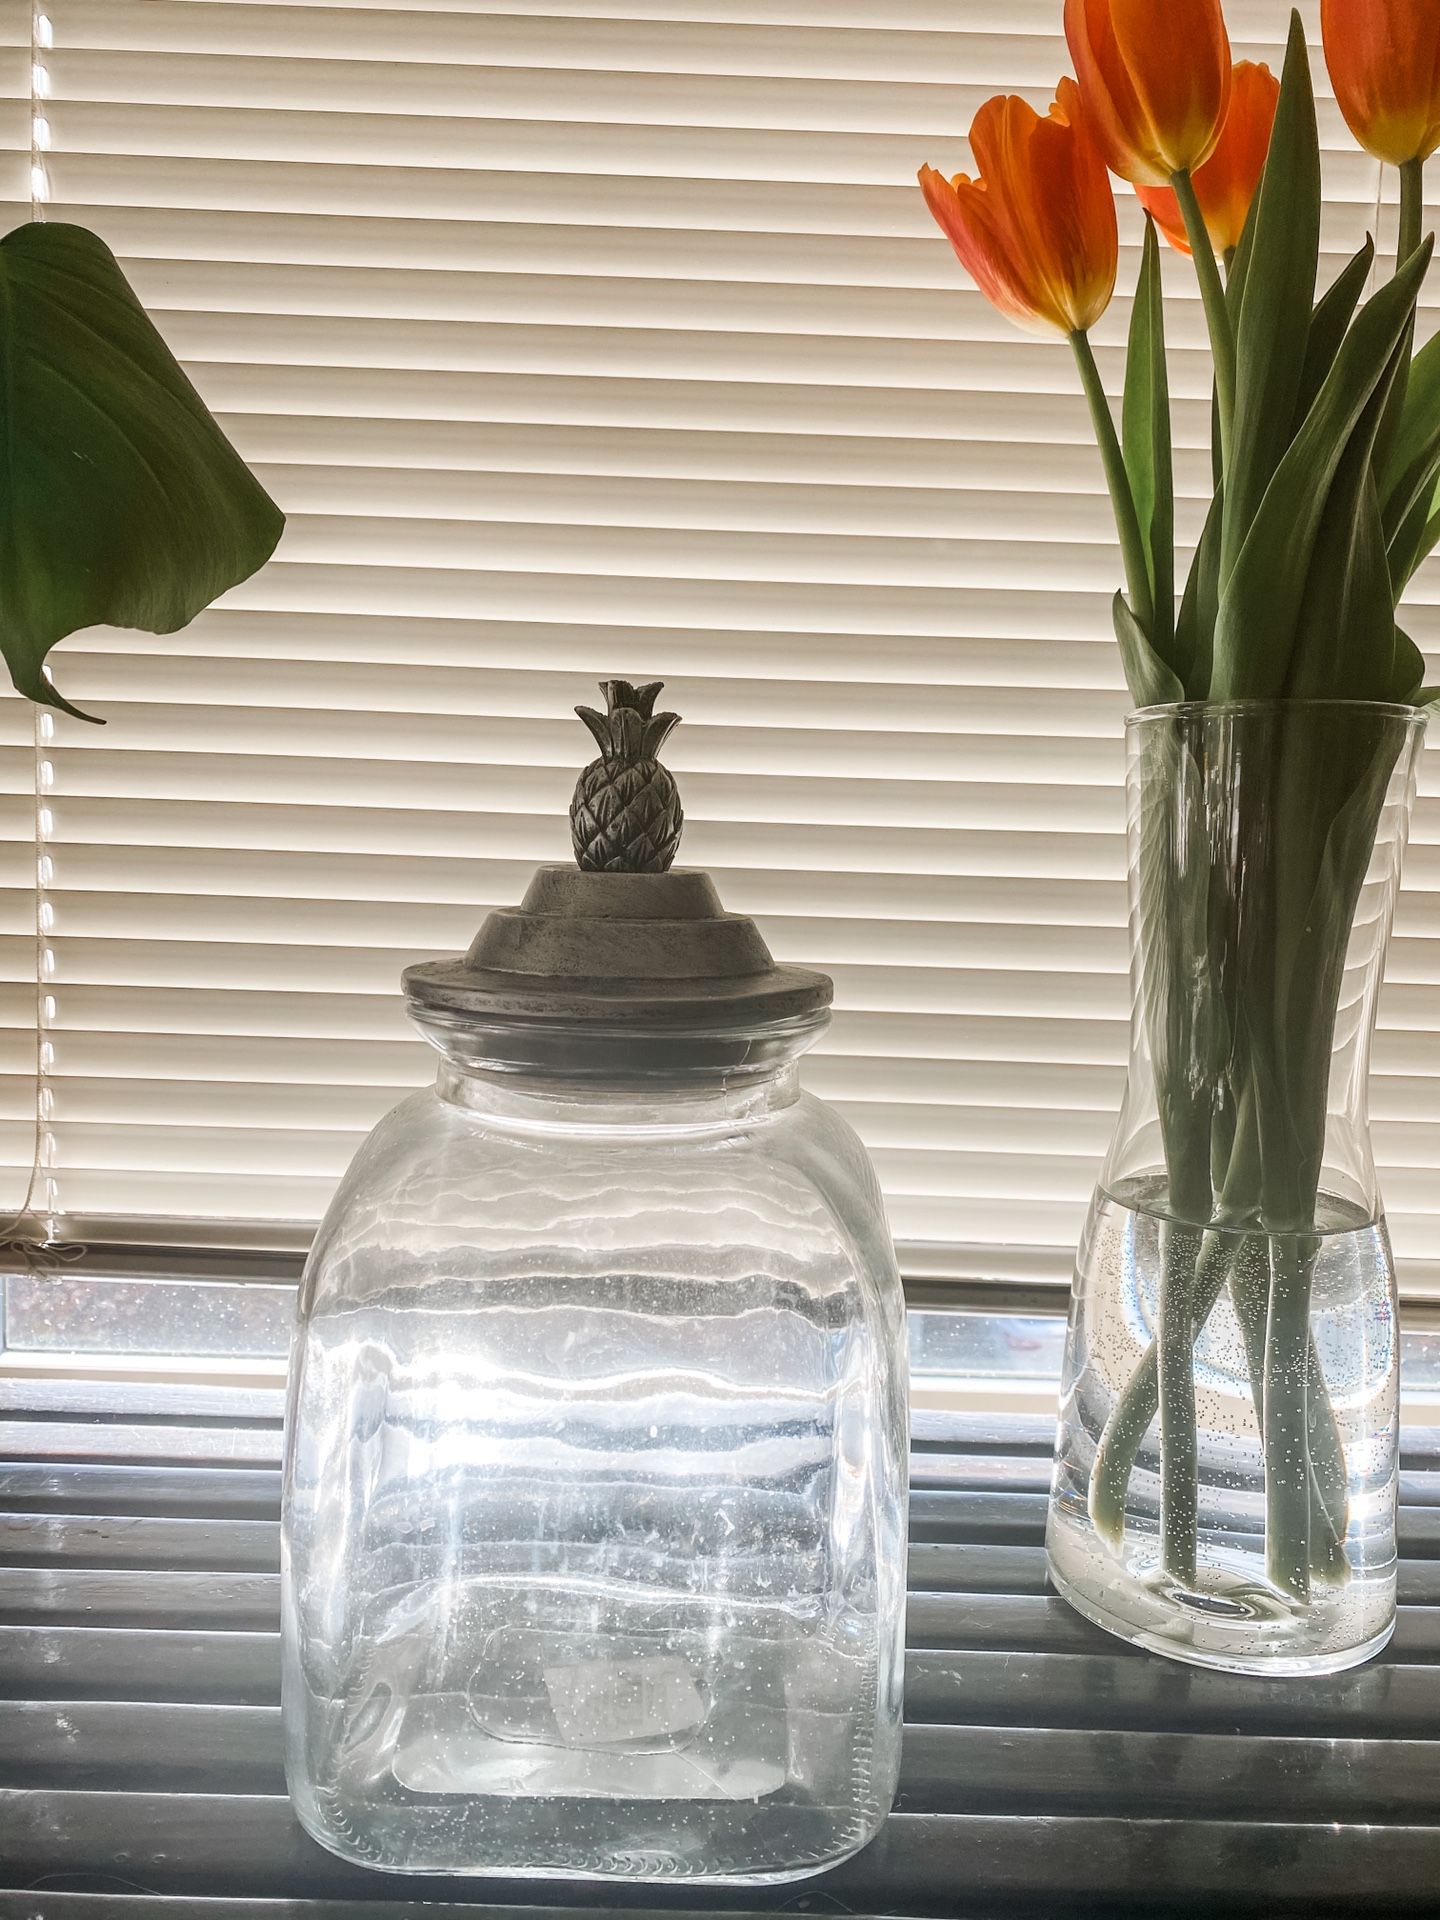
[
  {"x": 1277, "y": 292},
  {"x": 1145, "y": 437},
  {"x": 1260, "y": 601},
  {"x": 126, "y": 504}
]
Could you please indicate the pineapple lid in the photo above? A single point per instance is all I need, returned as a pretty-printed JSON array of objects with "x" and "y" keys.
[{"x": 622, "y": 939}]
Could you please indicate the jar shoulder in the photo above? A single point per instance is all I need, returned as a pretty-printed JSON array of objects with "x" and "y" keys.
[{"x": 434, "y": 1187}]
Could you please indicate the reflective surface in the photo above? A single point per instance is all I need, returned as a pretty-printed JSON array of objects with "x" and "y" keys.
[
  {"x": 596, "y": 1499},
  {"x": 143, "y": 1757}
]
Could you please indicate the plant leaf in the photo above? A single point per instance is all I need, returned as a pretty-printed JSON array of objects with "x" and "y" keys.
[
  {"x": 1334, "y": 311},
  {"x": 1408, "y": 546},
  {"x": 126, "y": 505},
  {"x": 1195, "y": 628},
  {"x": 1430, "y": 538},
  {"x": 1345, "y": 637},
  {"x": 1414, "y": 458},
  {"x": 1261, "y": 600},
  {"x": 1145, "y": 438},
  {"x": 1151, "y": 681},
  {"x": 1277, "y": 293},
  {"x": 1408, "y": 672}
]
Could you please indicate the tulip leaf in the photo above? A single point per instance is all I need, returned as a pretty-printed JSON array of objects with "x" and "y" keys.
[
  {"x": 1260, "y": 602},
  {"x": 1345, "y": 638},
  {"x": 1408, "y": 671},
  {"x": 1278, "y": 291},
  {"x": 1195, "y": 628},
  {"x": 1145, "y": 438},
  {"x": 126, "y": 504},
  {"x": 1430, "y": 538},
  {"x": 1414, "y": 460},
  {"x": 1334, "y": 311},
  {"x": 1151, "y": 681}
]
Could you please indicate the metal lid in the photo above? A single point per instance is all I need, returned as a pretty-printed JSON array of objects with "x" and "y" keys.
[{"x": 620, "y": 940}]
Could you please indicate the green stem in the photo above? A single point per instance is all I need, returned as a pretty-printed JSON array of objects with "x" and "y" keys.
[
  {"x": 1139, "y": 1401},
  {"x": 1179, "y": 1464},
  {"x": 1250, "y": 1290},
  {"x": 1122, "y": 499},
  {"x": 1412, "y": 209},
  {"x": 1217, "y": 313},
  {"x": 1287, "y": 1414}
]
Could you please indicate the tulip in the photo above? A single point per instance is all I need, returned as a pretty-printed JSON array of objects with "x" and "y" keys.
[
  {"x": 1154, "y": 82},
  {"x": 1036, "y": 229},
  {"x": 1384, "y": 60},
  {"x": 1225, "y": 185}
]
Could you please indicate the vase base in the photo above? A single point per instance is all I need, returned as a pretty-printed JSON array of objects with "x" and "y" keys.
[{"x": 1228, "y": 1622}]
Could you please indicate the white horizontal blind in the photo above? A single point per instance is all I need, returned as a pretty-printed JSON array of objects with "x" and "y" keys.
[{"x": 580, "y": 339}]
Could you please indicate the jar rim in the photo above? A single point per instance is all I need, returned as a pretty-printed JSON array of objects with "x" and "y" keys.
[{"x": 1196, "y": 709}]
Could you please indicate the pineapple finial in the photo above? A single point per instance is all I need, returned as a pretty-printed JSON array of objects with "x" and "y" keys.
[{"x": 626, "y": 814}]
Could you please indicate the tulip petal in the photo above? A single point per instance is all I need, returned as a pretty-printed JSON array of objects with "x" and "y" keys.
[
  {"x": 1164, "y": 209},
  {"x": 1037, "y": 229},
  {"x": 967, "y": 213},
  {"x": 1384, "y": 61},
  {"x": 1155, "y": 81}
]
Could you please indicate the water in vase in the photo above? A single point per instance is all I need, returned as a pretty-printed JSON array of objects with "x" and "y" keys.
[{"x": 1233, "y": 1613}]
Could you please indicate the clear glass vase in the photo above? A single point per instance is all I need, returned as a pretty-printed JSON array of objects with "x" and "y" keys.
[
  {"x": 1225, "y": 1474},
  {"x": 595, "y": 1508}
]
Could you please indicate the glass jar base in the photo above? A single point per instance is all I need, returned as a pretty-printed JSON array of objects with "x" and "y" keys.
[
  {"x": 392, "y": 1846},
  {"x": 1228, "y": 1622}
]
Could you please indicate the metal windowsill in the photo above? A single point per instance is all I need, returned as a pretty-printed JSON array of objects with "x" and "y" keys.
[{"x": 1048, "y": 1769}]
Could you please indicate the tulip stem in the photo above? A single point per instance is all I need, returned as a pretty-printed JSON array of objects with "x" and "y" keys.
[
  {"x": 1412, "y": 209},
  {"x": 1217, "y": 313},
  {"x": 1122, "y": 499}
]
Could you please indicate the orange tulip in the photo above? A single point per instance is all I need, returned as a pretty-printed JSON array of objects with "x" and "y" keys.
[
  {"x": 1154, "y": 82},
  {"x": 1384, "y": 59},
  {"x": 1226, "y": 184},
  {"x": 1036, "y": 228}
]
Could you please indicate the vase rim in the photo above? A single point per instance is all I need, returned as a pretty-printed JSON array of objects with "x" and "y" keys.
[{"x": 1177, "y": 709}]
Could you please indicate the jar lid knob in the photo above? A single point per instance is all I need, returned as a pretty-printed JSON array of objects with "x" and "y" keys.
[{"x": 626, "y": 816}]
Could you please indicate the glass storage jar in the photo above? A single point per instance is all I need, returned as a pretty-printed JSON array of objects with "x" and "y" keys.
[{"x": 595, "y": 1502}]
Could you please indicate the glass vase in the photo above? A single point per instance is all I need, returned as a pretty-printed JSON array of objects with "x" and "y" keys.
[{"x": 1225, "y": 1475}]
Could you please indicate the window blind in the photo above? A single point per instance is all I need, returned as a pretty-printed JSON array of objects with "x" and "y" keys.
[{"x": 601, "y": 338}]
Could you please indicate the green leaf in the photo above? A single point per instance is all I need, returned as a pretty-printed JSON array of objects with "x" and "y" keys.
[
  {"x": 126, "y": 504},
  {"x": 1333, "y": 313},
  {"x": 1260, "y": 602},
  {"x": 1430, "y": 538},
  {"x": 1235, "y": 274},
  {"x": 1408, "y": 672},
  {"x": 1414, "y": 458},
  {"x": 1195, "y": 628},
  {"x": 1151, "y": 682},
  {"x": 1407, "y": 546},
  {"x": 1145, "y": 438},
  {"x": 1278, "y": 291},
  {"x": 1345, "y": 637}
]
